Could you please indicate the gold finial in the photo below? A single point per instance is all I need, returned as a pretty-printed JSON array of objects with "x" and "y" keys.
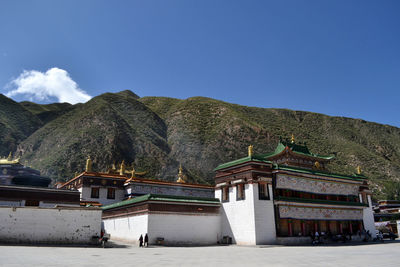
[
  {"x": 292, "y": 139},
  {"x": 317, "y": 165},
  {"x": 122, "y": 169},
  {"x": 181, "y": 176},
  {"x": 88, "y": 164},
  {"x": 250, "y": 150},
  {"x": 9, "y": 158},
  {"x": 358, "y": 169}
]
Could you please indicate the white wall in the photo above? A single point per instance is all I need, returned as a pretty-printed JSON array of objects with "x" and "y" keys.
[
  {"x": 237, "y": 216},
  {"x": 127, "y": 228},
  {"x": 184, "y": 229},
  {"x": 368, "y": 218},
  {"x": 12, "y": 203},
  {"x": 86, "y": 192},
  {"x": 49, "y": 225},
  {"x": 264, "y": 218}
]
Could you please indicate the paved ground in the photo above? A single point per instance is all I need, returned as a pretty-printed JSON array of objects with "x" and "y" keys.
[{"x": 386, "y": 254}]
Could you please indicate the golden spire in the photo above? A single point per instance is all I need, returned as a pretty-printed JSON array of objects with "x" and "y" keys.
[
  {"x": 358, "y": 169},
  {"x": 9, "y": 158},
  {"x": 181, "y": 176},
  {"x": 122, "y": 169},
  {"x": 250, "y": 150},
  {"x": 88, "y": 164},
  {"x": 292, "y": 139}
]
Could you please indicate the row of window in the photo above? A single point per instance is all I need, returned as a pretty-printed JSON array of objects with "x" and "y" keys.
[
  {"x": 95, "y": 193},
  {"x": 263, "y": 192},
  {"x": 297, "y": 194}
]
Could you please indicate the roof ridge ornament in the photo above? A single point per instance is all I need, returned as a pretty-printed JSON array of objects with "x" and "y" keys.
[
  {"x": 292, "y": 139},
  {"x": 250, "y": 151},
  {"x": 358, "y": 169},
  {"x": 181, "y": 176},
  {"x": 88, "y": 164}
]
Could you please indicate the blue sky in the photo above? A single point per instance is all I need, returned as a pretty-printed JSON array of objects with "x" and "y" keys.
[{"x": 340, "y": 58}]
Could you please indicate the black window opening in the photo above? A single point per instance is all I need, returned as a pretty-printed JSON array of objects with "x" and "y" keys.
[
  {"x": 240, "y": 192},
  {"x": 95, "y": 192},
  {"x": 225, "y": 194},
  {"x": 263, "y": 192},
  {"x": 111, "y": 193}
]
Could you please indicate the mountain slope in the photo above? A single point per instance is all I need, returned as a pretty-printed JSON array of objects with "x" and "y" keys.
[
  {"x": 16, "y": 124},
  {"x": 110, "y": 128},
  {"x": 49, "y": 112},
  {"x": 213, "y": 132},
  {"x": 158, "y": 133}
]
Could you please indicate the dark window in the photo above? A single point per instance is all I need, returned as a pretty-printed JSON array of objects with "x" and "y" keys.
[
  {"x": 31, "y": 202},
  {"x": 240, "y": 192},
  {"x": 95, "y": 192},
  {"x": 111, "y": 193},
  {"x": 225, "y": 194},
  {"x": 263, "y": 193}
]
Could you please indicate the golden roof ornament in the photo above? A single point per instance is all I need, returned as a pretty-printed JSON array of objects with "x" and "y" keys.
[
  {"x": 292, "y": 139},
  {"x": 358, "y": 169},
  {"x": 122, "y": 169},
  {"x": 181, "y": 176},
  {"x": 250, "y": 150},
  {"x": 317, "y": 165},
  {"x": 9, "y": 160},
  {"x": 88, "y": 164}
]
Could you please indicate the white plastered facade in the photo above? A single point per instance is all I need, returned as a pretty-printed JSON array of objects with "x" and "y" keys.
[{"x": 249, "y": 221}]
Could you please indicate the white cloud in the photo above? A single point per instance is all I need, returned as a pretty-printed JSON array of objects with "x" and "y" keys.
[{"x": 54, "y": 83}]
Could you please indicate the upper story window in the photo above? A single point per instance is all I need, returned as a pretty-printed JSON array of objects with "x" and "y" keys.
[
  {"x": 263, "y": 192},
  {"x": 95, "y": 192},
  {"x": 111, "y": 193},
  {"x": 225, "y": 194},
  {"x": 240, "y": 192}
]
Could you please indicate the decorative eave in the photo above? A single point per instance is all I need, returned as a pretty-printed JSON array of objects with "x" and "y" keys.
[
  {"x": 96, "y": 175},
  {"x": 159, "y": 182},
  {"x": 318, "y": 202},
  {"x": 163, "y": 198},
  {"x": 278, "y": 168},
  {"x": 242, "y": 162}
]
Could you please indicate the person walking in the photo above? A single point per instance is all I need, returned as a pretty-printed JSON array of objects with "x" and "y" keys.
[
  {"x": 141, "y": 241},
  {"x": 146, "y": 240}
]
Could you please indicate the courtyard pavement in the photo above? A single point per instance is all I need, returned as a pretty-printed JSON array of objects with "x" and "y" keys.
[{"x": 382, "y": 254}]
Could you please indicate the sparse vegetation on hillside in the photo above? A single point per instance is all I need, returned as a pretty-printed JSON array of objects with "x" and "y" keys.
[{"x": 158, "y": 133}]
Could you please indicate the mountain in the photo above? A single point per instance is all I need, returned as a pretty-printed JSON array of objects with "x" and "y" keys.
[
  {"x": 16, "y": 124},
  {"x": 49, "y": 112},
  {"x": 156, "y": 134}
]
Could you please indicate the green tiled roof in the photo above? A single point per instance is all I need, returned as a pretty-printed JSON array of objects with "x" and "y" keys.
[
  {"x": 333, "y": 175},
  {"x": 239, "y": 161},
  {"x": 321, "y": 201},
  {"x": 301, "y": 149},
  {"x": 156, "y": 197}
]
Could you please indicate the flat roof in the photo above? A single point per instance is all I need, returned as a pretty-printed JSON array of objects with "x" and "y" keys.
[{"x": 163, "y": 198}]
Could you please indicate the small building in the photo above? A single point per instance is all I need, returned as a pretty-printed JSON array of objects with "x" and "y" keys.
[
  {"x": 287, "y": 195},
  {"x": 32, "y": 212},
  {"x": 23, "y": 186},
  {"x": 115, "y": 185},
  {"x": 168, "y": 220},
  {"x": 12, "y": 172}
]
